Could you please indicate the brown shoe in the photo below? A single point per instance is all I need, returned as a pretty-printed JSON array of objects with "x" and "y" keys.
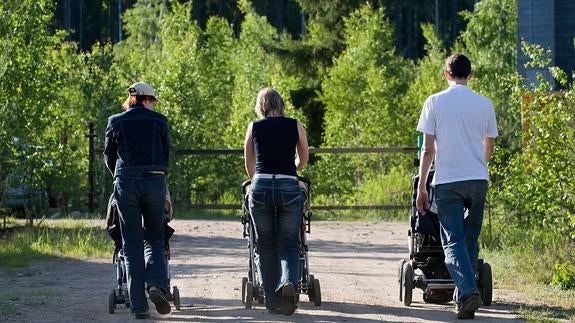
[{"x": 470, "y": 304}]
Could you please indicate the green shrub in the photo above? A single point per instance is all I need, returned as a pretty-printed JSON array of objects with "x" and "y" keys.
[{"x": 564, "y": 276}]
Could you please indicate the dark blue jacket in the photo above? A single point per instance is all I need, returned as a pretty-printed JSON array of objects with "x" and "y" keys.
[{"x": 137, "y": 140}]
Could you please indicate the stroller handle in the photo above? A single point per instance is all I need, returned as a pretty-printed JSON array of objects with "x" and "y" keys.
[{"x": 245, "y": 185}]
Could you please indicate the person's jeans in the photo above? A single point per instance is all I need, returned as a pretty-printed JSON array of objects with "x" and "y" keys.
[
  {"x": 140, "y": 199},
  {"x": 460, "y": 231},
  {"x": 276, "y": 207}
]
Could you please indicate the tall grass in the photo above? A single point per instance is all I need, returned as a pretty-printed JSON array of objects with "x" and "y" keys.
[
  {"x": 525, "y": 259},
  {"x": 525, "y": 270},
  {"x": 72, "y": 238}
]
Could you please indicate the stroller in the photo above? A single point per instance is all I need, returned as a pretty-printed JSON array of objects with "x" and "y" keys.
[
  {"x": 426, "y": 268},
  {"x": 252, "y": 285},
  {"x": 119, "y": 295}
]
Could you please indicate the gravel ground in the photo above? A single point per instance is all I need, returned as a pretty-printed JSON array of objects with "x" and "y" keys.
[{"x": 356, "y": 263}]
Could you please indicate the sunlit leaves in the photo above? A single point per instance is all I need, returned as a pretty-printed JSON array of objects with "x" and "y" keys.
[
  {"x": 538, "y": 180},
  {"x": 361, "y": 93}
]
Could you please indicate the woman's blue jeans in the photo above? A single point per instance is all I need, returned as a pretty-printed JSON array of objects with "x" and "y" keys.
[
  {"x": 141, "y": 198},
  {"x": 460, "y": 231},
  {"x": 276, "y": 207}
]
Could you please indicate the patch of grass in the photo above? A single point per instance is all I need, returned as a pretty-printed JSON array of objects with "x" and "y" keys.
[
  {"x": 545, "y": 314},
  {"x": 526, "y": 270},
  {"x": 7, "y": 309},
  {"x": 10, "y": 302},
  {"x": 70, "y": 238},
  {"x": 360, "y": 215}
]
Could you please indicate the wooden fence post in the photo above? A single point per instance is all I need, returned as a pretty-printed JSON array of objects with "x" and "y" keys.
[{"x": 91, "y": 135}]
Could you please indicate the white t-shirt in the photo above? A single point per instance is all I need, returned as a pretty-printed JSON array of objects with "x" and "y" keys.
[{"x": 460, "y": 120}]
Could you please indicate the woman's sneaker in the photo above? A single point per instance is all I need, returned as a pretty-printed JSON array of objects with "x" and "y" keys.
[
  {"x": 158, "y": 298},
  {"x": 288, "y": 299}
]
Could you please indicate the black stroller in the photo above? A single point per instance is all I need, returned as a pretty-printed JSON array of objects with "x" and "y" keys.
[
  {"x": 119, "y": 295},
  {"x": 426, "y": 268},
  {"x": 252, "y": 286}
]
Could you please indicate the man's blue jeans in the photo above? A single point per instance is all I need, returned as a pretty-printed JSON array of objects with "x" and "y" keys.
[
  {"x": 276, "y": 207},
  {"x": 460, "y": 233},
  {"x": 141, "y": 198}
]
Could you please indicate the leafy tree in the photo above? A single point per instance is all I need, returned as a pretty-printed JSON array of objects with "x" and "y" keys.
[
  {"x": 254, "y": 69},
  {"x": 139, "y": 54},
  {"x": 325, "y": 20},
  {"x": 37, "y": 72},
  {"x": 535, "y": 191},
  {"x": 490, "y": 41},
  {"x": 544, "y": 198},
  {"x": 192, "y": 72},
  {"x": 428, "y": 80},
  {"x": 361, "y": 94},
  {"x": 101, "y": 96},
  {"x": 207, "y": 81}
]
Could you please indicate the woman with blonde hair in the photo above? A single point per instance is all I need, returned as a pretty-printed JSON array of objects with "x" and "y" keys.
[{"x": 276, "y": 202}]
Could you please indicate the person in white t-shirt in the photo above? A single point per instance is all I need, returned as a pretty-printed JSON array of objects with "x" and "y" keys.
[{"x": 459, "y": 129}]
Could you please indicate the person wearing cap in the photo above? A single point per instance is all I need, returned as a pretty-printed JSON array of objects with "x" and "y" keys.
[
  {"x": 459, "y": 128},
  {"x": 275, "y": 201},
  {"x": 136, "y": 152}
]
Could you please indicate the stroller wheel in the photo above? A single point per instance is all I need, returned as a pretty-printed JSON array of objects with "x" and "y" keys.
[
  {"x": 426, "y": 298},
  {"x": 244, "y": 282},
  {"x": 176, "y": 297},
  {"x": 485, "y": 284},
  {"x": 400, "y": 279},
  {"x": 316, "y": 292},
  {"x": 407, "y": 276},
  {"x": 112, "y": 302},
  {"x": 249, "y": 295},
  {"x": 310, "y": 287}
]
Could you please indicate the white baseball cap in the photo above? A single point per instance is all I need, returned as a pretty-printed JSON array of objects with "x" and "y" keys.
[{"x": 141, "y": 88}]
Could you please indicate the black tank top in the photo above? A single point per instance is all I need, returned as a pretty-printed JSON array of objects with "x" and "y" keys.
[{"x": 275, "y": 141}]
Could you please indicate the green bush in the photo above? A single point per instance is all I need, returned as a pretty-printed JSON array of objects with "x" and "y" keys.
[{"x": 564, "y": 275}]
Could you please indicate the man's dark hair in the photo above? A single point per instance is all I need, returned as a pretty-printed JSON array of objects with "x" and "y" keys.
[{"x": 458, "y": 65}]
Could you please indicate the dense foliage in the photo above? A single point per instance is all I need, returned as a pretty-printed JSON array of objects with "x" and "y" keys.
[{"x": 349, "y": 85}]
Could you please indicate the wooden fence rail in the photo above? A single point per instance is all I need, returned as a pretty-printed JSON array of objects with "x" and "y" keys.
[
  {"x": 315, "y": 208},
  {"x": 313, "y": 150}
]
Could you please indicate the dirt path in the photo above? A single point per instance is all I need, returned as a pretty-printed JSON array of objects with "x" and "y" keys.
[{"x": 356, "y": 264}]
